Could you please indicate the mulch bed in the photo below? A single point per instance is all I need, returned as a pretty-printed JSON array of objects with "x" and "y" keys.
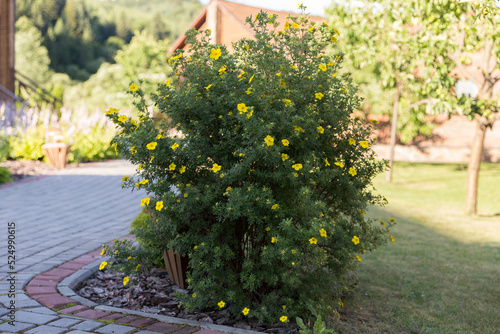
[{"x": 155, "y": 293}]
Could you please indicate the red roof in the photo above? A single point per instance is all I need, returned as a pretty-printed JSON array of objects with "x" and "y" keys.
[{"x": 231, "y": 22}]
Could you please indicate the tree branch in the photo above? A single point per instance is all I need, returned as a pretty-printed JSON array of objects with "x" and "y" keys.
[
  {"x": 419, "y": 103},
  {"x": 464, "y": 71}
]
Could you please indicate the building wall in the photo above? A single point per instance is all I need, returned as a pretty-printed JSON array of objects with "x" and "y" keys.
[
  {"x": 7, "y": 15},
  {"x": 451, "y": 141}
]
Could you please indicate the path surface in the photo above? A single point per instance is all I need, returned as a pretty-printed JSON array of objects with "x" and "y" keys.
[{"x": 60, "y": 219}]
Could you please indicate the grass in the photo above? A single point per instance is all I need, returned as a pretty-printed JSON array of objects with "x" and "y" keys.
[{"x": 442, "y": 275}]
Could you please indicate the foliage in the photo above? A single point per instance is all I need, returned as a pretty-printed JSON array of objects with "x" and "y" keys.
[
  {"x": 25, "y": 131},
  {"x": 378, "y": 40},
  {"x": 28, "y": 146},
  {"x": 265, "y": 188},
  {"x": 4, "y": 175},
  {"x": 143, "y": 58},
  {"x": 32, "y": 58},
  {"x": 318, "y": 327},
  {"x": 4, "y": 147}
]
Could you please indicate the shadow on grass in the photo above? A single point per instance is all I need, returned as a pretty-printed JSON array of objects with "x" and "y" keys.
[{"x": 427, "y": 282}]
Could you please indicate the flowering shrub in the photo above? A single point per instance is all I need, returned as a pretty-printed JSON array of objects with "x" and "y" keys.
[{"x": 265, "y": 189}]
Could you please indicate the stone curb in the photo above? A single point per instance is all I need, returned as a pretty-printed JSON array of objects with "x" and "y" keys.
[
  {"x": 178, "y": 321},
  {"x": 67, "y": 285}
]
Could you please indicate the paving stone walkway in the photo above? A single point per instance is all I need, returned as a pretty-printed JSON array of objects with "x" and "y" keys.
[{"x": 61, "y": 222}]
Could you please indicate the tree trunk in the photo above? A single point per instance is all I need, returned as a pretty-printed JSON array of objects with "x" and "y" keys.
[
  {"x": 394, "y": 124},
  {"x": 474, "y": 164}
]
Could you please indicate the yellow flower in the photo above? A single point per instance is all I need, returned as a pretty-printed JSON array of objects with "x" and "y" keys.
[
  {"x": 251, "y": 78},
  {"x": 151, "y": 146},
  {"x": 282, "y": 83},
  {"x": 274, "y": 239},
  {"x": 269, "y": 140},
  {"x": 194, "y": 295},
  {"x": 242, "y": 107},
  {"x": 322, "y": 232},
  {"x": 278, "y": 74},
  {"x": 111, "y": 111},
  {"x": 208, "y": 87},
  {"x": 294, "y": 251},
  {"x": 249, "y": 90},
  {"x": 151, "y": 160},
  {"x": 172, "y": 166},
  {"x": 287, "y": 26},
  {"x": 364, "y": 144},
  {"x": 322, "y": 67},
  {"x": 284, "y": 156},
  {"x": 168, "y": 82},
  {"x": 319, "y": 96},
  {"x": 159, "y": 205},
  {"x": 245, "y": 311},
  {"x": 221, "y": 304},
  {"x": 122, "y": 118},
  {"x": 128, "y": 258},
  {"x": 320, "y": 129},
  {"x": 341, "y": 165},
  {"x": 268, "y": 229},
  {"x": 160, "y": 136},
  {"x": 137, "y": 268},
  {"x": 274, "y": 207},
  {"x": 297, "y": 166},
  {"x": 215, "y": 168},
  {"x": 355, "y": 240},
  {"x": 341, "y": 304},
  {"x": 392, "y": 219},
  {"x": 103, "y": 265},
  {"x": 174, "y": 146},
  {"x": 298, "y": 128},
  {"x": 352, "y": 171},
  {"x": 362, "y": 212},
  {"x": 250, "y": 113},
  {"x": 103, "y": 250},
  {"x": 133, "y": 87},
  {"x": 352, "y": 141},
  {"x": 374, "y": 121},
  {"x": 359, "y": 259},
  {"x": 313, "y": 241},
  {"x": 145, "y": 201},
  {"x": 215, "y": 53},
  {"x": 125, "y": 280},
  {"x": 287, "y": 102},
  {"x": 392, "y": 239},
  {"x": 295, "y": 25},
  {"x": 284, "y": 318},
  {"x": 222, "y": 69},
  {"x": 326, "y": 162},
  {"x": 182, "y": 169},
  {"x": 285, "y": 142},
  {"x": 185, "y": 195},
  {"x": 125, "y": 178}
]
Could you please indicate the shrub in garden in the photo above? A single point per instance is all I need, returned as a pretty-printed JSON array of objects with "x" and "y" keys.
[
  {"x": 265, "y": 190},
  {"x": 4, "y": 175}
]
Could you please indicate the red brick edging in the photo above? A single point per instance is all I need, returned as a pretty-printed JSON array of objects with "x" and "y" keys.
[{"x": 43, "y": 288}]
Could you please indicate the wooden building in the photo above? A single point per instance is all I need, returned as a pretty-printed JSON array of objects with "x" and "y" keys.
[
  {"x": 7, "y": 73},
  {"x": 226, "y": 20}
]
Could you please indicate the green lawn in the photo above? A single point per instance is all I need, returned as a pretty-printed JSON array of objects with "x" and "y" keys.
[{"x": 442, "y": 275}]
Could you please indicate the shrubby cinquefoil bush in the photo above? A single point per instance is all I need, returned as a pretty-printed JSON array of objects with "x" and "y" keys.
[{"x": 266, "y": 185}]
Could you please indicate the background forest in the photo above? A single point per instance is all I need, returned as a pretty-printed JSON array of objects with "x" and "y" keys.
[{"x": 87, "y": 51}]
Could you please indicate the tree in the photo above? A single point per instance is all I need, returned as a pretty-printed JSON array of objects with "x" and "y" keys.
[
  {"x": 377, "y": 37},
  {"x": 447, "y": 40},
  {"x": 32, "y": 58}
]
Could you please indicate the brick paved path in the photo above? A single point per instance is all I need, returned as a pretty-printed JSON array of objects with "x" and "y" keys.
[{"x": 60, "y": 221}]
